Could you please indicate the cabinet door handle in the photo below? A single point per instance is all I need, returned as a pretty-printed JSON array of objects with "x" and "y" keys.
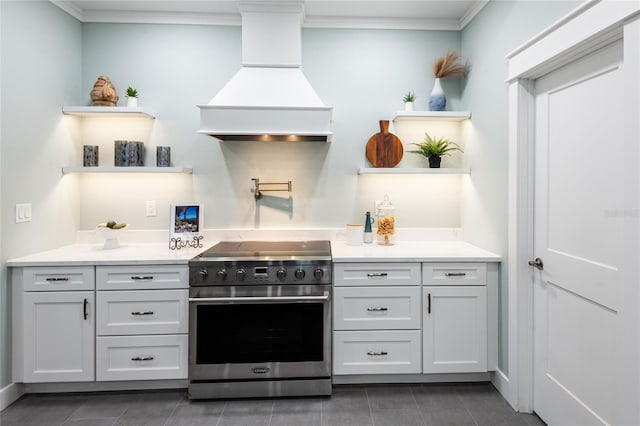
[
  {"x": 456, "y": 274},
  {"x": 377, "y": 274},
  {"x": 84, "y": 308},
  {"x": 142, "y": 277},
  {"x": 377, "y": 353},
  {"x": 142, "y": 358},
  {"x": 57, "y": 279},
  {"x": 142, "y": 313},
  {"x": 428, "y": 303},
  {"x": 377, "y": 309}
]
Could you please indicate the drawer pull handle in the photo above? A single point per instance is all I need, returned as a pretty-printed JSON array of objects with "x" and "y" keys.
[
  {"x": 142, "y": 358},
  {"x": 142, "y": 313},
  {"x": 380, "y": 353},
  {"x": 57, "y": 279},
  {"x": 456, "y": 274},
  {"x": 142, "y": 277},
  {"x": 377, "y": 274},
  {"x": 377, "y": 309}
]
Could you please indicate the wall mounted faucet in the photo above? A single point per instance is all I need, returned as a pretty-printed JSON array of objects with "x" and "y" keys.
[{"x": 258, "y": 190}]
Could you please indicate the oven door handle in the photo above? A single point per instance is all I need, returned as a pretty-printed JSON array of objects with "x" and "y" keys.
[{"x": 325, "y": 296}]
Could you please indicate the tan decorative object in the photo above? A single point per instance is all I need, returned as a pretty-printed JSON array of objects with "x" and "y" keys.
[{"x": 104, "y": 92}]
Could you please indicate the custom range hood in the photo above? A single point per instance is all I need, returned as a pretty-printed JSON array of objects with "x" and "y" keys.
[{"x": 269, "y": 98}]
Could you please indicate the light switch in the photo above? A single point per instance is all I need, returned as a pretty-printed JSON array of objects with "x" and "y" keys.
[
  {"x": 23, "y": 212},
  {"x": 151, "y": 208}
]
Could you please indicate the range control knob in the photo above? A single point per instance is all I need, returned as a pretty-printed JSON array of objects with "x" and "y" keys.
[
  {"x": 281, "y": 274},
  {"x": 203, "y": 274},
  {"x": 299, "y": 274},
  {"x": 318, "y": 274},
  {"x": 221, "y": 274},
  {"x": 240, "y": 274}
]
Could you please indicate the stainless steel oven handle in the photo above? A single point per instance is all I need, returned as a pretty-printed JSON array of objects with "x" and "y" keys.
[{"x": 325, "y": 296}]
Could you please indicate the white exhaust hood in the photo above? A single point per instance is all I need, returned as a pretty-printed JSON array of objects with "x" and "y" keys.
[{"x": 269, "y": 98}]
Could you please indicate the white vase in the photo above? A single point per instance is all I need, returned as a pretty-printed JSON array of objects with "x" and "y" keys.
[
  {"x": 437, "y": 100},
  {"x": 408, "y": 106},
  {"x": 132, "y": 102}
]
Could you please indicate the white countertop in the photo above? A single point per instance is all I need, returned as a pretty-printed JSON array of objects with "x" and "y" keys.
[
  {"x": 412, "y": 251},
  {"x": 159, "y": 253},
  {"x": 95, "y": 254}
]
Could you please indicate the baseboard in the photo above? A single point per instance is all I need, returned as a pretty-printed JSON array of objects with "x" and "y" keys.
[
  {"x": 9, "y": 394},
  {"x": 502, "y": 384}
]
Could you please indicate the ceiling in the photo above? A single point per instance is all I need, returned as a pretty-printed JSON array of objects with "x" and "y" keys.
[{"x": 392, "y": 14}]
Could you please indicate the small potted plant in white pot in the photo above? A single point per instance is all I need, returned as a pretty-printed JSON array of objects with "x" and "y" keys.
[
  {"x": 132, "y": 97},
  {"x": 435, "y": 148},
  {"x": 408, "y": 99}
]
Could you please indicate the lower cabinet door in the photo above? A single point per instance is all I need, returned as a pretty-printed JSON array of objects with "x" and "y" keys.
[
  {"x": 376, "y": 352},
  {"x": 455, "y": 329},
  {"x": 58, "y": 336},
  {"x": 141, "y": 357}
]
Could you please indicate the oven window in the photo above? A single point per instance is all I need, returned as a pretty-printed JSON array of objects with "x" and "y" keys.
[{"x": 278, "y": 332}]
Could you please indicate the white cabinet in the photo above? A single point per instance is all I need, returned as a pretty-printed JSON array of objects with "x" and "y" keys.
[
  {"x": 376, "y": 318},
  {"x": 53, "y": 329},
  {"x": 454, "y": 329},
  {"x": 142, "y": 322}
]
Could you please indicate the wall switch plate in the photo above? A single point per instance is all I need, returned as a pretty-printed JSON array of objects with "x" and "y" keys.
[
  {"x": 151, "y": 208},
  {"x": 23, "y": 212}
]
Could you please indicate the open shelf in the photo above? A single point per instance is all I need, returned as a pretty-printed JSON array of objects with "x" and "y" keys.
[
  {"x": 432, "y": 115},
  {"x": 133, "y": 169},
  {"x": 414, "y": 171},
  {"x": 104, "y": 111}
]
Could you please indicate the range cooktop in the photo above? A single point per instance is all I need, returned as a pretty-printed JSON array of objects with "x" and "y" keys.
[{"x": 268, "y": 250}]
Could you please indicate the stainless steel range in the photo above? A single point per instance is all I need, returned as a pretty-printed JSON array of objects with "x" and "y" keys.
[{"x": 260, "y": 320}]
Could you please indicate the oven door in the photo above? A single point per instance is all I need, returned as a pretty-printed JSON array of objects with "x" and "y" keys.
[{"x": 259, "y": 332}]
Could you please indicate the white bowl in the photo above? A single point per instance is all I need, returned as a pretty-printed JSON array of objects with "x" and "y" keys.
[{"x": 109, "y": 235}]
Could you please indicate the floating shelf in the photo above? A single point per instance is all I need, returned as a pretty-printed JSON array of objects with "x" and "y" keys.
[
  {"x": 432, "y": 115},
  {"x": 104, "y": 111},
  {"x": 113, "y": 169},
  {"x": 411, "y": 171}
]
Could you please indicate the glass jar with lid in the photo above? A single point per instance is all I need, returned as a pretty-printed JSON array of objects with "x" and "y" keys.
[{"x": 385, "y": 212}]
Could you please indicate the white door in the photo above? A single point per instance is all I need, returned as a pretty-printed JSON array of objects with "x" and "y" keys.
[
  {"x": 578, "y": 236},
  {"x": 454, "y": 329},
  {"x": 59, "y": 337}
]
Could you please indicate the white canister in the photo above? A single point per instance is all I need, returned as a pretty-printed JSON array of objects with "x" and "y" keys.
[{"x": 353, "y": 236}]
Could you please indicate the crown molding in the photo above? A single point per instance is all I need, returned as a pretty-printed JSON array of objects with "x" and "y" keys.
[{"x": 472, "y": 12}]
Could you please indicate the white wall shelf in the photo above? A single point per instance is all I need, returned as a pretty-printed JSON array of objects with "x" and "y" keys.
[
  {"x": 432, "y": 115},
  {"x": 414, "y": 171},
  {"x": 132, "y": 169},
  {"x": 104, "y": 111}
]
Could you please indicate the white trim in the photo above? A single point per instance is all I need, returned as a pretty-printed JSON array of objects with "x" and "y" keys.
[
  {"x": 501, "y": 382},
  {"x": 584, "y": 31},
  {"x": 478, "y": 5},
  {"x": 9, "y": 394}
]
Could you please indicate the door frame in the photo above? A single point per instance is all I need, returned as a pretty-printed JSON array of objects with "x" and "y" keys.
[{"x": 586, "y": 29}]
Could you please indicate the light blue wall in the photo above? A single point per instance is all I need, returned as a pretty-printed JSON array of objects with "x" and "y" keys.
[
  {"x": 499, "y": 28},
  {"x": 40, "y": 72}
]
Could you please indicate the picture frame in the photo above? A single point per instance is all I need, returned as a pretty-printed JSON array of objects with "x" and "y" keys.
[{"x": 186, "y": 220}]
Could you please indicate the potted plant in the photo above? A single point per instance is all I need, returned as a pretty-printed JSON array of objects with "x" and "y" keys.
[
  {"x": 408, "y": 101},
  {"x": 132, "y": 97},
  {"x": 435, "y": 148}
]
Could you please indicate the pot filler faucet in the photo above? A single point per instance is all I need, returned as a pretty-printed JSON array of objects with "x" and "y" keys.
[{"x": 258, "y": 190}]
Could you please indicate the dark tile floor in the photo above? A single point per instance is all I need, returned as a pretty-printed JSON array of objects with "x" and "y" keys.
[{"x": 372, "y": 405}]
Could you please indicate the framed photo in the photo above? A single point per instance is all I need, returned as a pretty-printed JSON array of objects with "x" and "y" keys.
[{"x": 186, "y": 219}]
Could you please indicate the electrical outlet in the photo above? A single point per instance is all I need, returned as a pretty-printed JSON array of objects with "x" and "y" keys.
[
  {"x": 151, "y": 208},
  {"x": 23, "y": 212}
]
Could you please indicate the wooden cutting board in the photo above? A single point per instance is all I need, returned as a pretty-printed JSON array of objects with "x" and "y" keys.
[{"x": 384, "y": 149}]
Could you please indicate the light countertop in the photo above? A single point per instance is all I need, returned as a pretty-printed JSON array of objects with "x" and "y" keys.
[
  {"x": 412, "y": 251},
  {"x": 159, "y": 253}
]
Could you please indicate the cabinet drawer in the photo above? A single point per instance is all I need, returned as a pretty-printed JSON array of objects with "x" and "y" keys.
[
  {"x": 454, "y": 273},
  {"x": 370, "y": 308},
  {"x": 141, "y": 357},
  {"x": 142, "y": 312},
  {"x": 59, "y": 278},
  {"x": 376, "y": 352},
  {"x": 386, "y": 274},
  {"x": 142, "y": 277}
]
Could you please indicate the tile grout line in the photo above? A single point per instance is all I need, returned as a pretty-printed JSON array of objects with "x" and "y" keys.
[
  {"x": 413, "y": 395},
  {"x": 366, "y": 393},
  {"x": 224, "y": 407},
  {"x": 466, "y": 408},
  {"x": 175, "y": 407}
]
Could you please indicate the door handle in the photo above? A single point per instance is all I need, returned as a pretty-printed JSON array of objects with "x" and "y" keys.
[
  {"x": 537, "y": 263},
  {"x": 429, "y": 303},
  {"x": 84, "y": 308}
]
